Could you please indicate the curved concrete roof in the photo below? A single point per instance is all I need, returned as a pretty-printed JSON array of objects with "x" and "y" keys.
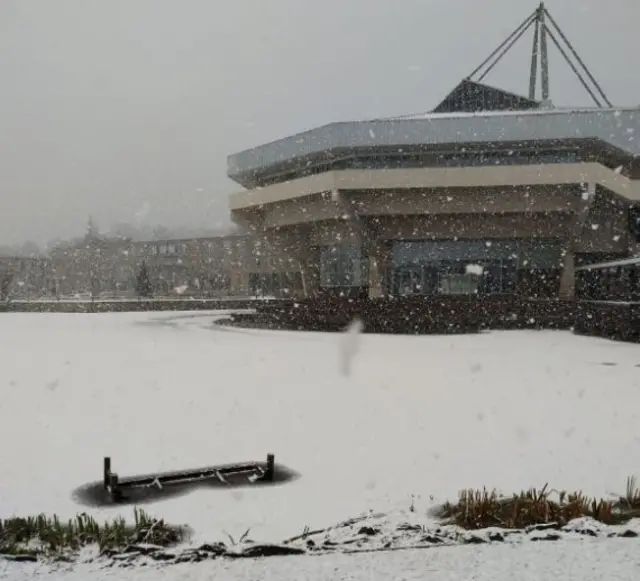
[{"x": 618, "y": 127}]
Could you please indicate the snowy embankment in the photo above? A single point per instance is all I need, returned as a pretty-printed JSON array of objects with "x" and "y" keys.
[
  {"x": 586, "y": 559},
  {"x": 393, "y": 425}
]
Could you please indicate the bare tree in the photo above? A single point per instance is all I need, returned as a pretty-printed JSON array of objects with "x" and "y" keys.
[
  {"x": 6, "y": 280},
  {"x": 144, "y": 287}
]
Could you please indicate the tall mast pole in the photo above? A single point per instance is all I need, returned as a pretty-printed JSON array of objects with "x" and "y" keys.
[
  {"x": 533, "y": 77},
  {"x": 544, "y": 57}
]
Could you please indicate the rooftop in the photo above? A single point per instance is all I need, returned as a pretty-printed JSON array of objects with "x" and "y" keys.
[{"x": 615, "y": 128}]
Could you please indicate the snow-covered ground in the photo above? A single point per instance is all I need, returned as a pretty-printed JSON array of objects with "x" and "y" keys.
[
  {"x": 587, "y": 560},
  {"x": 415, "y": 418}
]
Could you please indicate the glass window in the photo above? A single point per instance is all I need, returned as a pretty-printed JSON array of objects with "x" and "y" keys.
[
  {"x": 442, "y": 266},
  {"x": 342, "y": 265},
  {"x": 459, "y": 283}
]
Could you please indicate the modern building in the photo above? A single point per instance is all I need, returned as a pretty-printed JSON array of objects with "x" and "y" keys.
[{"x": 490, "y": 192}]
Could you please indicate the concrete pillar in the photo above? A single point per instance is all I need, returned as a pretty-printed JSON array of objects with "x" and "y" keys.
[
  {"x": 376, "y": 269},
  {"x": 568, "y": 276},
  {"x": 586, "y": 202},
  {"x": 310, "y": 270}
]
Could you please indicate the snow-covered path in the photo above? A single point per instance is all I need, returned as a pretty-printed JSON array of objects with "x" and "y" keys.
[{"x": 416, "y": 416}]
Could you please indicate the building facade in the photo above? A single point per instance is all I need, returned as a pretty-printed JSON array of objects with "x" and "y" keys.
[
  {"x": 102, "y": 267},
  {"x": 490, "y": 194},
  {"x": 91, "y": 267},
  {"x": 211, "y": 266},
  {"x": 24, "y": 277}
]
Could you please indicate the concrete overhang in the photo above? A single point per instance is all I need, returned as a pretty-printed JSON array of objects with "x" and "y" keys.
[
  {"x": 633, "y": 261},
  {"x": 438, "y": 178}
]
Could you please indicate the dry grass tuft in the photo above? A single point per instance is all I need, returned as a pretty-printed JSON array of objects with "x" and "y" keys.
[
  {"x": 477, "y": 509},
  {"x": 632, "y": 496},
  {"x": 43, "y": 535}
]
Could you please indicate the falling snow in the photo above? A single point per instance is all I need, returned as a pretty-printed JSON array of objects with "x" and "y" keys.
[
  {"x": 475, "y": 269},
  {"x": 349, "y": 345}
]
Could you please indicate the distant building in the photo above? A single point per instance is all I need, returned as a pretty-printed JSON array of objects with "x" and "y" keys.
[
  {"x": 211, "y": 266},
  {"x": 24, "y": 277},
  {"x": 92, "y": 266},
  {"x": 97, "y": 266}
]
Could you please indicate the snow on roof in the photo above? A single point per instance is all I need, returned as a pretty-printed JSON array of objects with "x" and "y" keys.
[
  {"x": 503, "y": 113},
  {"x": 616, "y": 126}
]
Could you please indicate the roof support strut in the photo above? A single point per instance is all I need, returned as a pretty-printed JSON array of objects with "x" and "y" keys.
[{"x": 544, "y": 26}]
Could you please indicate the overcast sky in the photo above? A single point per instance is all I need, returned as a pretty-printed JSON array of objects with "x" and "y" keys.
[{"x": 126, "y": 109}]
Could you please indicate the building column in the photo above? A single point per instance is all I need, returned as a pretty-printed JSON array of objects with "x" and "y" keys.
[
  {"x": 310, "y": 270},
  {"x": 305, "y": 258},
  {"x": 568, "y": 276},
  {"x": 379, "y": 261},
  {"x": 376, "y": 269}
]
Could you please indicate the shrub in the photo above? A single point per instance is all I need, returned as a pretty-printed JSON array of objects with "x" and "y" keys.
[
  {"x": 49, "y": 535},
  {"x": 476, "y": 509}
]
